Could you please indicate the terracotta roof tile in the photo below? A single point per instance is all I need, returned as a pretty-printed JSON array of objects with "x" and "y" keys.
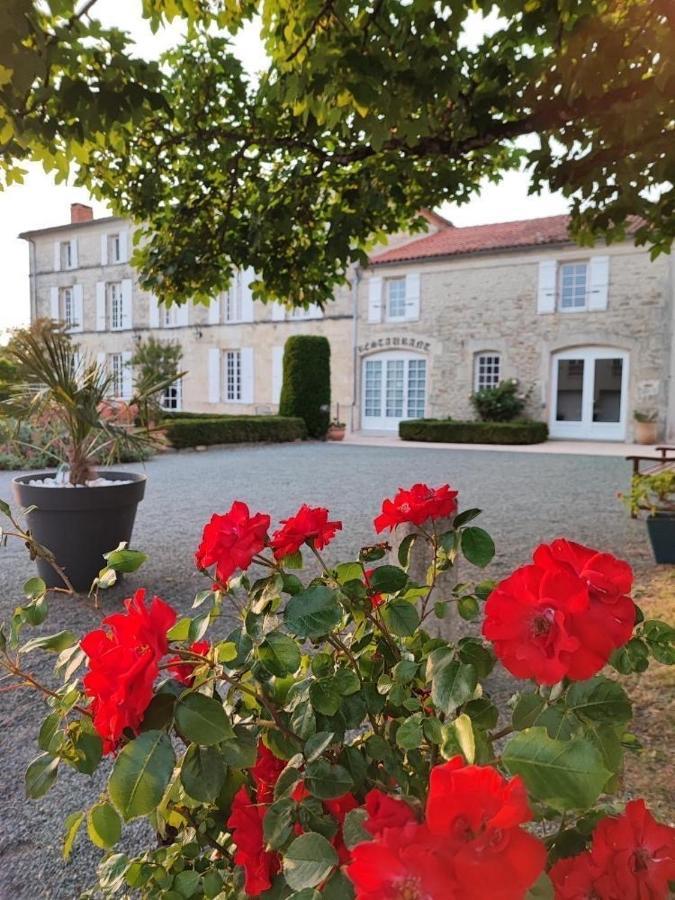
[{"x": 480, "y": 238}]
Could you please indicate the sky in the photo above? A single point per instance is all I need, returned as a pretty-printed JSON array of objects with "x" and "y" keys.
[{"x": 39, "y": 202}]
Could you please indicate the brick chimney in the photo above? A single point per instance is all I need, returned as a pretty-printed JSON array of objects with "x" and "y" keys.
[{"x": 80, "y": 213}]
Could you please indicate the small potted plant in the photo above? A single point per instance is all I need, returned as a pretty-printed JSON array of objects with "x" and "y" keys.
[
  {"x": 655, "y": 495},
  {"x": 77, "y": 513},
  {"x": 336, "y": 429},
  {"x": 646, "y": 427}
]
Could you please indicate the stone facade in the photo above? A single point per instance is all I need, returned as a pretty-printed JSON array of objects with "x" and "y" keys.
[{"x": 423, "y": 331}]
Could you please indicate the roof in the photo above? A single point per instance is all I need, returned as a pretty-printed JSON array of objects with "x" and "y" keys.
[
  {"x": 27, "y": 235},
  {"x": 451, "y": 241}
]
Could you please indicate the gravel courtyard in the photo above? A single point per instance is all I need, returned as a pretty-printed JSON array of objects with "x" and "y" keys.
[{"x": 526, "y": 498}]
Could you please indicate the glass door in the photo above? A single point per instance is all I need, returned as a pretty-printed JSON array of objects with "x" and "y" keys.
[
  {"x": 393, "y": 388},
  {"x": 589, "y": 394}
]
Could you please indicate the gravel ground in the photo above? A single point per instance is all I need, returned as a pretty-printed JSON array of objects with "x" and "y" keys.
[{"x": 526, "y": 498}]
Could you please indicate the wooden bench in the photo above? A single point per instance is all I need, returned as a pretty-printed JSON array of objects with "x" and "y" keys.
[{"x": 651, "y": 465}]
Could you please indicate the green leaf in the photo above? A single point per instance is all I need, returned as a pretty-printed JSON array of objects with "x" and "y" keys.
[
  {"x": 313, "y": 613},
  {"x": 467, "y": 516},
  {"x": 325, "y": 696},
  {"x": 278, "y": 822},
  {"x": 125, "y": 560},
  {"x": 527, "y": 710},
  {"x": 308, "y": 861},
  {"x": 279, "y": 654},
  {"x": 401, "y": 617},
  {"x": 477, "y": 546},
  {"x": 353, "y": 832},
  {"x": 104, "y": 825},
  {"x": 186, "y": 883},
  {"x": 202, "y": 719},
  {"x": 303, "y": 721},
  {"x": 409, "y": 734},
  {"x": 326, "y": 781},
  {"x": 55, "y": 642},
  {"x": 41, "y": 775},
  {"x": 140, "y": 774},
  {"x": 463, "y": 731},
  {"x": 564, "y": 774},
  {"x": 452, "y": 682},
  {"x": 203, "y": 773},
  {"x": 405, "y": 549},
  {"x": 387, "y": 579},
  {"x": 317, "y": 744},
  {"x": 34, "y": 587},
  {"x": 71, "y": 826},
  {"x": 542, "y": 889},
  {"x": 347, "y": 681},
  {"x": 599, "y": 700},
  {"x": 240, "y": 751},
  {"x": 180, "y": 630}
]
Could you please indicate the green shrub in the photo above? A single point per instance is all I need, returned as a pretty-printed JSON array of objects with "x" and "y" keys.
[
  {"x": 192, "y": 432},
  {"x": 450, "y": 432},
  {"x": 305, "y": 391},
  {"x": 502, "y": 403}
]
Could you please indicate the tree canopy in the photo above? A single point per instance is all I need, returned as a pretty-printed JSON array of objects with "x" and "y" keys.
[{"x": 368, "y": 111}]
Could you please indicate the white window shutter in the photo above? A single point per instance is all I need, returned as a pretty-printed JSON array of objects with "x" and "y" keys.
[
  {"x": 245, "y": 279},
  {"x": 73, "y": 254},
  {"x": 598, "y": 277},
  {"x": 102, "y": 362},
  {"x": 127, "y": 375},
  {"x": 314, "y": 311},
  {"x": 214, "y": 375},
  {"x": 182, "y": 316},
  {"x": 57, "y": 256},
  {"x": 104, "y": 249},
  {"x": 101, "y": 318},
  {"x": 124, "y": 245},
  {"x": 278, "y": 312},
  {"x": 412, "y": 296},
  {"x": 247, "y": 375},
  {"x": 277, "y": 372},
  {"x": 54, "y": 311},
  {"x": 214, "y": 311},
  {"x": 153, "y": 308},
  {"x": 375, "y": 300},
  {"x": 546, "y": 291},
  {"x": 127, "y": 304},
  {"x": 78, "y": 308}
]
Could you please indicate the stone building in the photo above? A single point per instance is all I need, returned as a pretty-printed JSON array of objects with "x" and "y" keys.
[{"x": 590, "y": 332}]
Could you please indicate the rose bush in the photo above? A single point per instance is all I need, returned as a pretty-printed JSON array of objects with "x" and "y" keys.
[{"x": 332, "y": 745}]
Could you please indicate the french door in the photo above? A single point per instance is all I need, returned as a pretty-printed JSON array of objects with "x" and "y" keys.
[
  {"x": 394, "y": 387},
  {"x": 589, "y": 394}
]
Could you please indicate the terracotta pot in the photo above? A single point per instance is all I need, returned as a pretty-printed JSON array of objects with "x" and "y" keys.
[
  {"x": 646, "y": 432},
  {"x": 336, "y": 433}
]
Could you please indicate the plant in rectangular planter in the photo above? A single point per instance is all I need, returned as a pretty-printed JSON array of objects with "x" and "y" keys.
[{"x": 329, "y": 747}]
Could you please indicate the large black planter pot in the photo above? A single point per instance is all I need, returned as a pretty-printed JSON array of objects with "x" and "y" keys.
[
  {"x": 661, "y": 530},
  {"x": 80, "y": 524}
]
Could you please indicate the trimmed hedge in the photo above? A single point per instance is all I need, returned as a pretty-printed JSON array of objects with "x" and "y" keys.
[
  {"x": 446, "y": 431},
  {"x": 305, "y": 390},
  {"x": 193, "y": 432}
]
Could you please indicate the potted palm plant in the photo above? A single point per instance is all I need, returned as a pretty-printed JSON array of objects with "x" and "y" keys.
[
  {"x": 655, "y": 494},
  {"x": 646, "y": 427},
  {"x": 75, "y": 511}
]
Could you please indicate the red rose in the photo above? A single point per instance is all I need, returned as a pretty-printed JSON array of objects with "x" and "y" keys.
[
  {"x": 416, "y": 505},
  {"x": 530, "y": 619},
  {"x": 231, "y": 541},
  {"x": 265, "y": 773},
  {"x": 246, "y": 823},
  {"x": 309, "y": 525},
  {"x": 375, "y": 599},
  {"x": 183, "y": 669},
  {"x": 385, "y": 811},
  {"x": 123, "y": 665},
  {"x": 574, "y": 878},
  {"x": 338, "y": 808}
]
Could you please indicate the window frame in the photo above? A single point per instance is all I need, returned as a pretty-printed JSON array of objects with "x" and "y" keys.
[
  {"x": 562, "y": 266},
  {"x": 115, "y": 304},
  {"x": 388, "y": 282},
  {"x": 491, "y": 355},
  {"x": 68, "y": 317},
  {"x": 114, "y": 248},
  {"x": 232, "y": 376},
  {"x": 176, "y": 403},
  {"x": 66, "y": 254},
  {"x": 117, "y": 375},
  {"x": 233, "y": 303}
]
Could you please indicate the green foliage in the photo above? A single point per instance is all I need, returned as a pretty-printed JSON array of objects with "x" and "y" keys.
[
  {"x": 451, "y": 432},
  {"x": 502, "y": 403},
  {"x": 296, "y": 173},
  {"x": 652, "y": 493},
  {"x": 196, "y": 431},
  {"x": 305, "y": 390}
]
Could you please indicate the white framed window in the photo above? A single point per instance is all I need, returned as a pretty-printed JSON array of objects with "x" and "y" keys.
[
  {"x": 573, "y": 285},
  {"x": 488, "y": 370},
  {"x": 115, "y": 305},
  {"x": 300, "y": 314},
  {"x": 394, "y": 387},
  {"x": 66, "y": 251},
  {"x": 172, "y": 398},
  {"x": 396, "y": 295},
  {"x": 67, "y": 306},
  {"x": 233, "y": 305},
  {"x": 114, "y": 248},
  {"x": 232, "y": 371},
  {"x": 169, "y": 316},
  {"x": 116, "y": 369}
]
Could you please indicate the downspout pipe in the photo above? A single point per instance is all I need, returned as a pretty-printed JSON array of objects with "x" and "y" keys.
[{"x": 356, "y": 278}]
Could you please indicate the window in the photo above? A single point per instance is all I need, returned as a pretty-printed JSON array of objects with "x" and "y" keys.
[
  {"x": 66, "y": 251},
  {"x": 67, "y": 306},
  {"x": 573, "y": 288},
  {"x": 115, "y": 305},
  {"x": 114, "y": 248},
  {"x": 116, "y": 369},
  {"x": 169, "y": 316},
  {"x": 488, "y": 371},
  {"x": 172, "y": 397},
  {"x": 417, "y": 376},
  {"x": 396, "y": 298},
  {"x": 233, "y": 374},
  {"x": 233, "y": 303},
  {"x": 299, "y": 313}
]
